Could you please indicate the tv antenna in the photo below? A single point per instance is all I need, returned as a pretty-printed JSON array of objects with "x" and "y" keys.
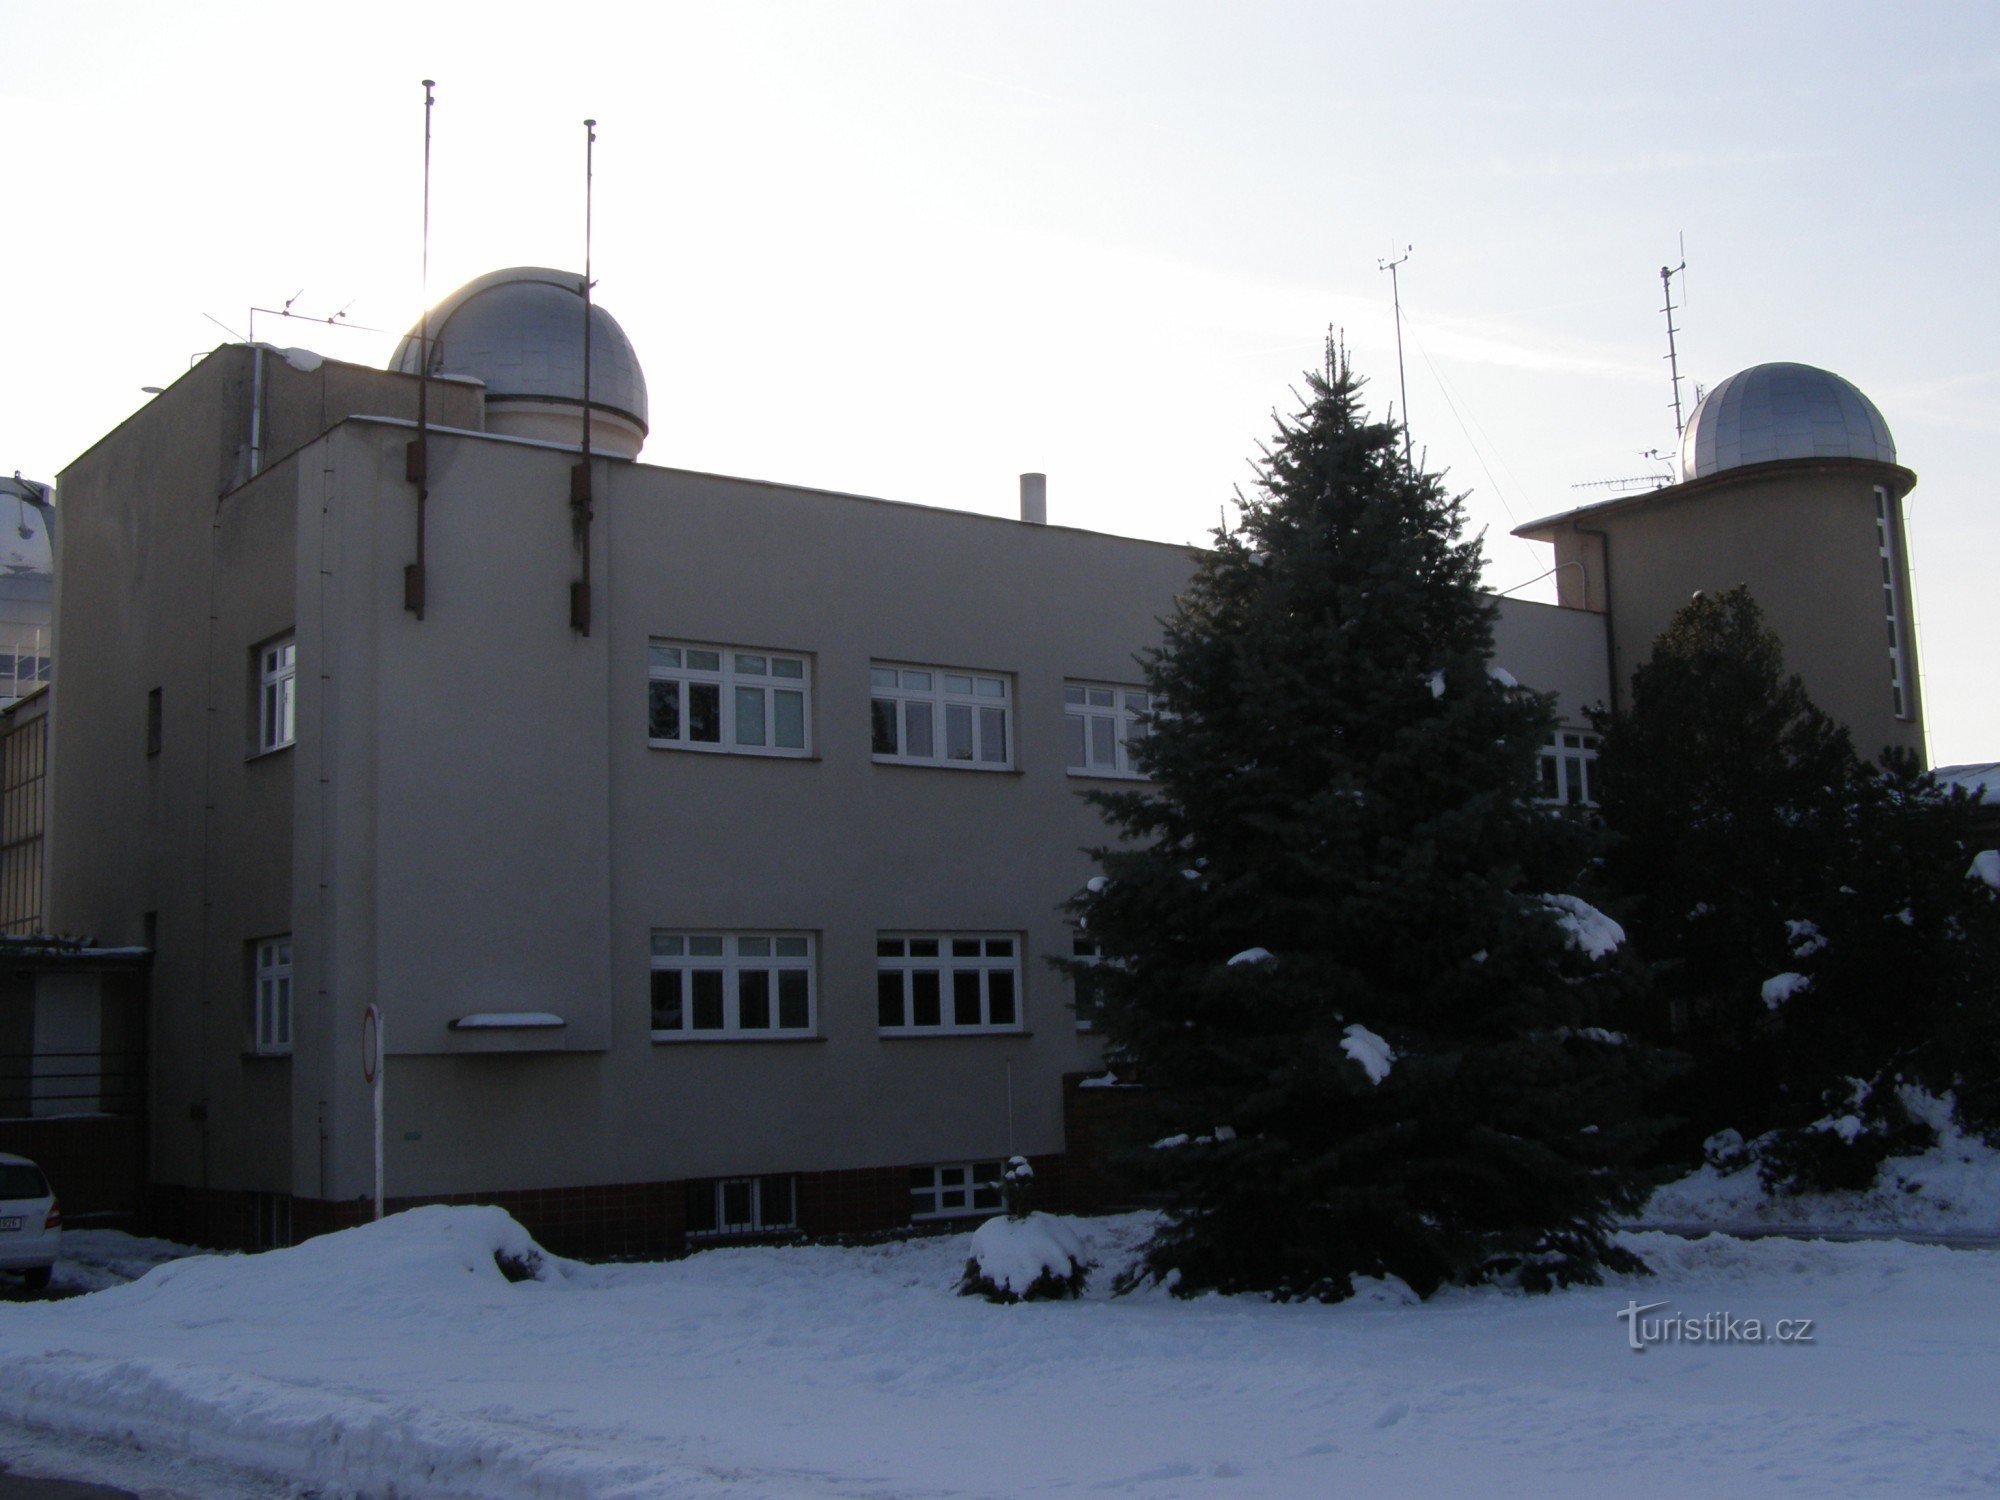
[
  {"x": 1633, "y": 482},
  {"x": 1667, "y": 275},
  {"x": 1396, "y": 294}
]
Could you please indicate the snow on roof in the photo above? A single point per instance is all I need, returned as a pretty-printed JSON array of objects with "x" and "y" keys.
[
  {"x": 507, "y": 1020},
  {"x": 1980, "y": 778}
]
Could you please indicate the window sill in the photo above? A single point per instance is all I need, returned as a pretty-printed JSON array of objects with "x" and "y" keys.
[
  {"x": 1087, "y": 775},
  {"x": 255, "y": 1054},
  {"x": 267, "y": 754},
  {"x": 982, "y": 767},
  {"x": 752, "y": 752},
  {"x": 698, "y": 1039},
  {"x": 948, "y": 1033}
]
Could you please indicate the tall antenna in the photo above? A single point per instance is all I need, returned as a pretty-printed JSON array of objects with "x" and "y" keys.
[
  {"x": 579, "y": 478},
  {"x": 1402, "y": 385},
  {"x": 1667, "y": 275},
  {"x": 417, "y": 458}
]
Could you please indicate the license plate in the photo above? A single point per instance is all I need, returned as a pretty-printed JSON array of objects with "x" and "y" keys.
[{"x": 12, "y": 1222}]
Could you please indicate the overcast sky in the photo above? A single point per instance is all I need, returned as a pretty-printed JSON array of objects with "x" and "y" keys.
[{"x": 913, "y": 250}]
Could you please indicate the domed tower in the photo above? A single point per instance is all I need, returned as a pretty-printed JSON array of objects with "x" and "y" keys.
[
  {"x": 1790, "y": 485},
  {"x": 520, "y": 331}
]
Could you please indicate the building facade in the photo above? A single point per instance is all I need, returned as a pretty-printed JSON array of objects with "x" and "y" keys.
[{"x": 725, "y": 906}]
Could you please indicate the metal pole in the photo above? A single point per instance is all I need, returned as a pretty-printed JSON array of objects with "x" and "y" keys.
[
  {"x": 380, "y": 1057},
  {"x": 419, "y": 463},
  {"x": 579, "y": 488},
  {"x": 1402, "y": 384}
]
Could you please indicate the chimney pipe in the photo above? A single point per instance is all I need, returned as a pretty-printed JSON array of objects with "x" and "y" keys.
[{"x": 1035, "y": 499}]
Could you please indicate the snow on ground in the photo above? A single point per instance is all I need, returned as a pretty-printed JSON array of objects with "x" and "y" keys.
[{"x": 395, "y": 1359}]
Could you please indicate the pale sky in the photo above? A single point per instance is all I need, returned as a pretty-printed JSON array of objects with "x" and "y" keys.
[{"x": 912, "y": 250}]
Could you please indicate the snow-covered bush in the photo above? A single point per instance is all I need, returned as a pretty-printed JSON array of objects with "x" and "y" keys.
[{"x": 1023, "y": 1256}]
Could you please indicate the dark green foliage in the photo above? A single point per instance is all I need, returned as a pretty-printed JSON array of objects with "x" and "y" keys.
[
  {"x": 1751, "y": 842},
  {"x": 1338, "y": 779}
]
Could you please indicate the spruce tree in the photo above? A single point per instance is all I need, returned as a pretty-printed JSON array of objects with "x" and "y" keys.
[{"x": 1373, "y": 1045}]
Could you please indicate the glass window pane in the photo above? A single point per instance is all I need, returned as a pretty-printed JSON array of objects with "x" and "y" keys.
[
  {"x": 704, "y": 725},
  {"x": 751, "y": 666},
  {"x": 1100, "y": 697},
  {"x": 705, "y": 947},
  {"x": 666, "y": 945},
  {"x": 882, "y": 714},
  {"x": 701, "y": 1208},
  {"x": 953, "y": 683},
  {"x": 965, "y": 997},
  {"x": 888, "y": 947},
  {"x": 749, "y": 716},
  {"x": 881, "y": 676},
  {"x": 1000, "y": 996},
  {"x": 965, "y": 947},
  {"x": 917, "y": 729},
  {"x": 707, "y": 987},
  {"x": 993, "y": 735},
  {"x": 919, "y": 680},
  {"x": 952, "y": 1198},
  {"x": 1073, "y": 739},
  {"x": 666, "y": 1000},
  {"x": 753, "y": 999},
  {"x": 923, "y": 947},
  {"x": 704, "y": 661},
  {"x": 957, "y": 732},
  {"x": 951, "y": 1176},
  {"x": 736, "y": 1204},
  {"x": 663, "y": 710},
  {"x": 789, "y": 947},
  {"x": 787, "y": 666},
  {"x": 1072, "y": 694},
  {"x": 1103, "y": 742},
  {"x": 889, "y": 998},
  {"x": 925, "y": 999},
  {"x": 794, "y": 999},
  {"x": 662, "y": 656},
  {"x": 753, "y": 947},
  {"x": 992, "y": 687},
  {"x": 774, "y": 1202},
  {"x": 999, "y": 947},
  {"x": 788, "y": 720},
  {"x": 1135, "y": 703}
]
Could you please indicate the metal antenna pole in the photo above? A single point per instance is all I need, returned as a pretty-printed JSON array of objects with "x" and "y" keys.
[
  {"x": 579, "y": 488},
  {"x": 1402, "y": 384},
  {"x": 1667, "y": 274},
  {"x": 417, "y": 460}
]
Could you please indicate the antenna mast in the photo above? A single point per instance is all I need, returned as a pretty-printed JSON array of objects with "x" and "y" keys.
[
  {"x": 417, "y": 458},
  {"x": 1402, "y": 385},
  {"x": 579, "y": 478},
  {"x": 1667, "y": 275}
]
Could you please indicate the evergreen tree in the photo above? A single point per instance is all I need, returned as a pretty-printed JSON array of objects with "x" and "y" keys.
[
  {"x": 1374, "y": 1044},
  {"x": 1818, "y": 943}
]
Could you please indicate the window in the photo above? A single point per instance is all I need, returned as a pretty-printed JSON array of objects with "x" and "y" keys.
[
  {"x": 1886, "y": 546},
  {"x": 966, "y": 1187},
  {"x": 277, "y": 693},
  {"x": 154, "y": 722},
  {"x": 732, "y": 984},
  {"x": 1103, "y": 726},
  {"x": 272, "y": 992},
  {"x": 1566, "y": 768},
  {"x": 927, "y": 983},
  {"x": 931, "y": 716},
  {"x": 721, "y": 699},
  {"x": 741, "y": 1205},
  {"x": 1087, "y": 954}
]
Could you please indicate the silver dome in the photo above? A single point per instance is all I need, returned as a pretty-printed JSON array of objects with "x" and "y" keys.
[
  {"x": 521, "y": 332},
  {"x": 1780, "y": 411}
]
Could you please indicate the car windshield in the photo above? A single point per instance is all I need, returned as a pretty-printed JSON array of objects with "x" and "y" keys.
[{"x": 19, "y": 1180}]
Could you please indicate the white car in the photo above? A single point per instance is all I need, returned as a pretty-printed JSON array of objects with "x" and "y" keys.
[{"x": 30, "y": 1221}]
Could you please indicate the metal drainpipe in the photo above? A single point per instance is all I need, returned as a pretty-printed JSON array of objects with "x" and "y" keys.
[
  {"x": 1610, "y": 631},
  {"x": 256, "y": 409}
]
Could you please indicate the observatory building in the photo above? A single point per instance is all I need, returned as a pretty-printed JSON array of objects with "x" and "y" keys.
[{"x": 701, "y": 842}]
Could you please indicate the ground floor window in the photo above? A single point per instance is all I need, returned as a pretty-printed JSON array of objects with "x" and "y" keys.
[
  {"x": 1087, "y": 954},
  {"x": 1569, "y": 763},
  {"x": 964, "y": 1187},
  {"x": 742, "y": 1205},
  {"x": 932, "y": 982}
]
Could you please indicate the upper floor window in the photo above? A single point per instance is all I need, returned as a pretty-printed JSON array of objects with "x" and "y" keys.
[
  {"x": 1569, "y": 762},
  {"x": 934, "y": 716},
  {"x": 1103, "y": 725},
  {"x": 277, "y": 695},
  {"x": 947, "y": 981},
  {"x": 272, "y": 994},
  {"x": 734, "y": 984},
  {"x": 720, "y": 698}
]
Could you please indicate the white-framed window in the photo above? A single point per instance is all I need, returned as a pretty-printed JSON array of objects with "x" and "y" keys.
[
  {"x": 941, "y": 716},
  {"x": 955, "y": 1188},
  {"x": 719, "y": 1206},
  {"x": 728, "y": 699},
  {"x": 1088, "y": 954},
  {"x": 732, "y": 984},
  {"x": 277, "y": 692},
  {"x": 271, "y": 994},
  {"x": 1568, "y": 765},
  {"x": 1103, "y": 724},
  {"x": 932, "y": 982},
  {"x": 1885, "y": 545}
]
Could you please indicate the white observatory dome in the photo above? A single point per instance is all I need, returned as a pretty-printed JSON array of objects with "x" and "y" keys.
[
  {"x": 520, "y": 331},
  {"x": 1780, "y": 411}
]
